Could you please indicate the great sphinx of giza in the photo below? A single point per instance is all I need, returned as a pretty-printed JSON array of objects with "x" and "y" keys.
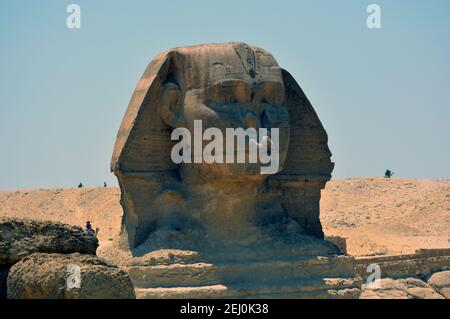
[{"x": 224, "y": 212}]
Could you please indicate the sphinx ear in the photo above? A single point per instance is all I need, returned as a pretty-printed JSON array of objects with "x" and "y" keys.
[{"x": 170, "y": 105}]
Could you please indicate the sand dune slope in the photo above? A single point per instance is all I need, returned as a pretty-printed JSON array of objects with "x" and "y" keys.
[{"x": 388, "y": 216}]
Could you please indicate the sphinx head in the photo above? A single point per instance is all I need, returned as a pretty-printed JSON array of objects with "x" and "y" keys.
[{"x": 222, "y": 86}]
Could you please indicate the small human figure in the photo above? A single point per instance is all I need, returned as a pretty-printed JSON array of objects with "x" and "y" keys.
[
  {"x": 104, "y": 184},
  {"x": 388, "y": 173},
  {"x": 89, "y": 227},
  {"x": 80, "y": 185}
]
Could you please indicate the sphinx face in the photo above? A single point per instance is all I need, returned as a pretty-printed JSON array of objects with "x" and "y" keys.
[{"x": 237, "y": 103}]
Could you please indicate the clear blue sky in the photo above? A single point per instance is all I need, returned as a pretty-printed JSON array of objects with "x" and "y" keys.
[{"x": 382, "y": 95}]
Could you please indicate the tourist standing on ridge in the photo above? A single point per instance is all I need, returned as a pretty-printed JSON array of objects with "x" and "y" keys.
[{"x": 388, "y": 173}]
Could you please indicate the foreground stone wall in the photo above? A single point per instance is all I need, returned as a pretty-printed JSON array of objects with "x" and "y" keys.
[
  {"x": 406, "y": 288},
  {"x": 319, "y": 277},
  {"x": 423, "y": 263}
]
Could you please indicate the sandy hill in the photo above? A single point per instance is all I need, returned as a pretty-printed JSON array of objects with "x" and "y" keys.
[{"x": 377, "y": 215}]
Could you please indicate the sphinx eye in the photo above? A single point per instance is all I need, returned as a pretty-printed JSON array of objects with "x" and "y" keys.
[{"x": 268, "y": 101}]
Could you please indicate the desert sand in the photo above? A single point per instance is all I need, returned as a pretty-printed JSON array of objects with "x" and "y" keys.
[{"x": 378, "y": 216}]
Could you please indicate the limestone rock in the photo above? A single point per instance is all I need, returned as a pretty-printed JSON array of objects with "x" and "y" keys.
[
  {"x": 21, "y": 237},
  {"x": 440, "y": 281},
  {"x": 48, "y": 276},
  {"x": 409, "y": 288}
]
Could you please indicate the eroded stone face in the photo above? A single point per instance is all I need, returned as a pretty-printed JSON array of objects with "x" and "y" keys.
[
  {"x": 229, "y": 207},
  {"x": 237, "y": 103}
]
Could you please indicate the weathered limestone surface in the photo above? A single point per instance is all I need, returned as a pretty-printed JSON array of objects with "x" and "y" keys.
[
  {"x": 21, "y": 237},
  {"x": 440, "y": 281},
  {"x": 309, "y": 278},
  {"x": 224, "y": 229},
  {"x": 43, "y": 276},
  {"x": 408, "y": 288},
  {"x": 402, "y": 275}
]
